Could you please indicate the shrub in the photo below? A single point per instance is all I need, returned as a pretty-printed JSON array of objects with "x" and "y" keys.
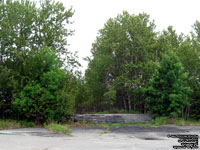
[
  {"x": 167, "y": 93},
  {"x": 7, "y": 124},
  {"x": 48, "y": 94},
  {"x": 58, "y": 128}
]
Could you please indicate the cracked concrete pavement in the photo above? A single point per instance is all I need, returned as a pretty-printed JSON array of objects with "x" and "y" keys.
[{"x": 94, "y": 138}]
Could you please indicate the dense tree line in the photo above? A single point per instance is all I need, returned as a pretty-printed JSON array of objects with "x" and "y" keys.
[
  {"x": 38, "y": 81},
  {"x": 135, "y": 68},
  {"x": 132, "y": 67}
]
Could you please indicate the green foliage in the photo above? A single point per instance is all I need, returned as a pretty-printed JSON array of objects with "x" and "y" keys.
[
  {"x": 122, "y": 54},
  {"x": 36, "y": 84},
  {"x": 58, "y": 128},
  {"x": 83, "y": 101},
  {"x": 39, "y": 81},
  {"x": 24, "y": 26},
  {"x": 27, "y": 124},
  {"x": 175, "y": 121},
  {"x": 47, "y": 94},
  {"x": 180, "y": 122},
  {"x": 125, "y": 55},
  {"x": 168, "y": 91},
  {"x": 8, "y": 124},
  {"x": 110, "y": 96},
  {"x": 193, "y": 52},
  {"x": 187, "y": 49},
  {"x": 162, "y": 120}
]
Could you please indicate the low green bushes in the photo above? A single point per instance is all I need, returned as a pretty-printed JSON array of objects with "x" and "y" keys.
[
  {"x": 58, "y": 128},
  {"x": 7, "y": 124}
]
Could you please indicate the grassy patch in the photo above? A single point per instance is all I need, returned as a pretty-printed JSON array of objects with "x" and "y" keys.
[
  {"x": 176, "y": 121},
  {"x": 9, "y": 124},
  {"x": 162, "y": 121},
  {"x": 157, "y": 123},
  {"x": 58, "y": 128},
  {"x": 182, "y": 122}
]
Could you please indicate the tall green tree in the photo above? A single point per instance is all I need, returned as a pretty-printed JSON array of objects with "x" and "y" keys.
[
  {"x": 24, "y": 27},
  {"x": 168, "y": 91},
  {"x": 193, "y": 52},
  {"x": 187, "y": 49},
  {"x": 123, "y": 59},
  {"x": 33, "y": 43}
]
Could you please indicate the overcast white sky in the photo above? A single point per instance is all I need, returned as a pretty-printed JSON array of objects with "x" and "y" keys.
[{"x": 90, "y": 16}]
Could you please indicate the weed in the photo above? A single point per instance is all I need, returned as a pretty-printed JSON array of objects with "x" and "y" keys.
[
  {"x": 161, "y": 121},
  {"x": 179, "y": 122},
  {"x": 58, "y": 128},
  {"x": 8, "y": 124}
]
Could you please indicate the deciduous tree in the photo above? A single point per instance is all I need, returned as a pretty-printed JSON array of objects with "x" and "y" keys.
[{"x": 168, "y": 91}]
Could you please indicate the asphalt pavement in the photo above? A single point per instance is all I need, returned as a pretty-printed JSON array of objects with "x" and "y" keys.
[{"x": 95, "y": 138}]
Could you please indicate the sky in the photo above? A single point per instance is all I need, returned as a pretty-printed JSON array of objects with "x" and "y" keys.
[{"x": 91, "y": 15}]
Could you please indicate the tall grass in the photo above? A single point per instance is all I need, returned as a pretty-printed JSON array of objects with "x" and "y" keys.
[
  {"x": 175, "y": 121},
  {"x": 58, "y": 128},
  {"x": 8, "y": 124}
]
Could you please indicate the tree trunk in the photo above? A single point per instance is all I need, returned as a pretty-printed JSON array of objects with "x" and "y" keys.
[
  {"x": 124, "y": 100},
  {"x": 183, "y": 113},
  {"x": 188, "y": 112},
  {"x": 134, "y": 107},
  {"x": 145, "y": 110},
  {"x": 129, "y": 102}
]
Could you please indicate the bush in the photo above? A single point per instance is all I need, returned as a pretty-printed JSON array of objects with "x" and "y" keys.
[
  {"x": 8, "y": 124},
  {"x": 58, "y": 128},
  {"x": 48, "y": 94},
  {"x": 27, "y": 124},
  {"x": 162, "y": 120},
  {"x": 168, "y": 91},
  {"x": 36, "y": 83}
]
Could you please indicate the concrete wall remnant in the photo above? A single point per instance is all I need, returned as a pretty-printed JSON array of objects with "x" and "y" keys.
[{"x": 112, "y": 118}]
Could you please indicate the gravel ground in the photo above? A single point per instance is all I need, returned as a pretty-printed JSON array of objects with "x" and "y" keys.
[{"x": 94, "y": 138}]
